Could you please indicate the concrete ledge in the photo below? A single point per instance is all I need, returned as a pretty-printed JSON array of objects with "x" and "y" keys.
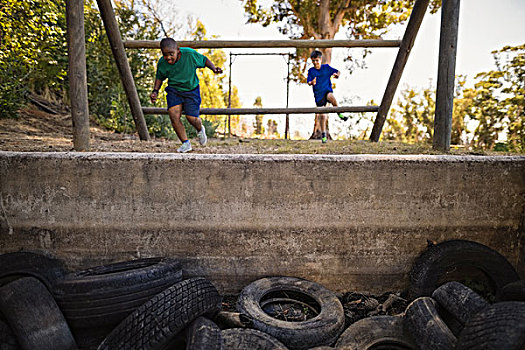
[{"x": 353, "y": 222}]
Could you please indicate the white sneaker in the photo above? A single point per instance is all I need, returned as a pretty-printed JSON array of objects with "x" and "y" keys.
[
  {"x": 186, "y": 147},
  {"x": 202, "y": 136}
]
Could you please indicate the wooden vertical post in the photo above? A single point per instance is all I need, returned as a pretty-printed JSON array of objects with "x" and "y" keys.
[
  {"x": 287, "y": 120},
  {"x": 77, "y": 73},
  {"x": 418, "y": 12},
  {"x": 229, "y": 92},
  {"x": 117, "y": 47},
  {"x": 446, "y": 75}
]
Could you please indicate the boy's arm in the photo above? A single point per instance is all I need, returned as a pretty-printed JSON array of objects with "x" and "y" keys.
[
  {"x": 336, "y": 74},
  {"x": 311, "y": 80},
  {"x": 155, "y": 92},
  {"x": 211, "y": 66}
]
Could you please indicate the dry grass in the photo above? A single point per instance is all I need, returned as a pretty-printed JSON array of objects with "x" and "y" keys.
[{"x": 42, "y": 132}]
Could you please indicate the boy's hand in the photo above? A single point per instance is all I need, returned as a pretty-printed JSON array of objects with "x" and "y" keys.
[
  {"x": 217, "y": 70},
  {"x": 336, "y": 74},
  {"x": 153, "y": 96},
  {"x": 313, "y": 81}
]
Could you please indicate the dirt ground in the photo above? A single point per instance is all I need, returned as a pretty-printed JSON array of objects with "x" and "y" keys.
[{"x": 39, "y": 131}]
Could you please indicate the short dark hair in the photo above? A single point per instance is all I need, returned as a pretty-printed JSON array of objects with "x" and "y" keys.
[
  {"x": 168, "y": 42},
  {"x": 316, "y": 54}
]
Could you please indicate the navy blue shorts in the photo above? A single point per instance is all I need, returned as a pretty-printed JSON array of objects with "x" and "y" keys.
[
  {"x": 190, "y": 100},
  {"x": 322, "y": 102}
]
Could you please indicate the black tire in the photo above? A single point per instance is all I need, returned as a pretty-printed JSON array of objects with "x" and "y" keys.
[
  {"x": 514, "y": 291},
  {"x": 459, "y": 300},
  {"x": 203, "y": 334},
  {"x": 7, "y": 337},
  {"x": 437, "y": 264},
  {"x": 378, "y": 332},
  {"x": 156, "y": 323},
  {"x": 45, "y": 268},
  {"x": 500, "y": 326},
  {"x": 243, "y": 339},
  {"x": 427, "y": 328},
  {"x": 34, "y": 316},
  {"x": 320, "y": 330},
  {"x": 103, "y": 296}
]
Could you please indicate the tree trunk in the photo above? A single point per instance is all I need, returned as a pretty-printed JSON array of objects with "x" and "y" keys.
[{"x": 316, "y": 134}]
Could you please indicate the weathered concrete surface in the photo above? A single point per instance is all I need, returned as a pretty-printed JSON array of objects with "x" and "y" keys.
[{"x": 349, "y": 222}]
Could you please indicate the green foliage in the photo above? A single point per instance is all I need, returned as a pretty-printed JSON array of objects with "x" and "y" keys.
[
  {"x": 107, "y": 98},
  {"x": 32, "y": 51},
  {"x": 413, "y": 120},
  {"x": 498, "y": 104},
  {"x": 495, "y": 106},
  {"x": 33, "y": 57}
]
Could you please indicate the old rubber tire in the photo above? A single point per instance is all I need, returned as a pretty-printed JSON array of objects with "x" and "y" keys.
[
  {"x": 432, "y": 266},
  {"x": 376, "y": 332},
  {"x": 459, "y": 300},
  {"x": 102, "y": 296},
  {"x": 426, "y": 327},
  {"x": 320, "y": 330},
  {"x": 156, "y": 323},
  {"x": 34, "y": 316},
  {"x": 514, "y": 291},
  {"x": 7, "y": 337},
  {"x": 45, "y": 268},
  {"x": 203, "y": 334},
  {"x": 243, "y": 339},
  {"x": 499, "y": 326}
]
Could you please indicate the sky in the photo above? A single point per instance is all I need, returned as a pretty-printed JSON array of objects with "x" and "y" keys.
[{"x": 484, "y": 26}]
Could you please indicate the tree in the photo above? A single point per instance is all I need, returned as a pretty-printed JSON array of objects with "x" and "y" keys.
[
  {"x": 413, "y": 118},
  {"x": 32, "y": 51},
  {"x": 259, "y": 128},
  {"x": 511, "y": 61},
  {"x": 498, "y": 103},
  {"x": 495, "y": 106},
  {"x": 322, "y": 19}
]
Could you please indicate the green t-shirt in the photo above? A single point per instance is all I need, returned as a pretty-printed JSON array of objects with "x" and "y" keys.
[{"x": 182, "y": 75}]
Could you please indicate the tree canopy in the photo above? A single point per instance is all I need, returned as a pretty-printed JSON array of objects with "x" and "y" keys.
[
  {"x": 488, "y": 115},
  {"x": 323, "y": 19}
]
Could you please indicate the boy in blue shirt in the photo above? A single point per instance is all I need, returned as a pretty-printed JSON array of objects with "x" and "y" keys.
[
  {"x": 179, "y": 66},
  {"x": 319, "y": 78}
]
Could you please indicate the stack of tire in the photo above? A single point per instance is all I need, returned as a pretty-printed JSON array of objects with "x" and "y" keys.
[
  {"x": 139, "y": 304},
  {"x": 147, "y": 304},
  {"x": 451, "y": 315}
]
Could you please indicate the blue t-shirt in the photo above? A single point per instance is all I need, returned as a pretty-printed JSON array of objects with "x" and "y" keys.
[
  {"x": 323, "y": 84},
  {"x": 182, "y": 74}
]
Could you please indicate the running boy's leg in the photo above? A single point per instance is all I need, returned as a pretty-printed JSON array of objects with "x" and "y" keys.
[
  {"x": 195, "y": 121},
  {"x": 323, "y": 118},
  {"x": 197, "y": 124},
  {"x": 331, "y": 98},
  {"x": 175, "y": 113},
  {"x": 192, "y": 105}
]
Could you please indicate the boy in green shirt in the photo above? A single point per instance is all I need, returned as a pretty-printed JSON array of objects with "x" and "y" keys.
[{"x": 179, "y": 66}]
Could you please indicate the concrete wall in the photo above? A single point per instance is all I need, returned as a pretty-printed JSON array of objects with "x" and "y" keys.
[{"x": 353, "y": 223}]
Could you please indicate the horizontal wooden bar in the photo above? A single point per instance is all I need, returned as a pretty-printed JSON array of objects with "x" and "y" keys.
[
  {"x": 223, "y": 44},
  {"x": 301, "y": 110}
]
